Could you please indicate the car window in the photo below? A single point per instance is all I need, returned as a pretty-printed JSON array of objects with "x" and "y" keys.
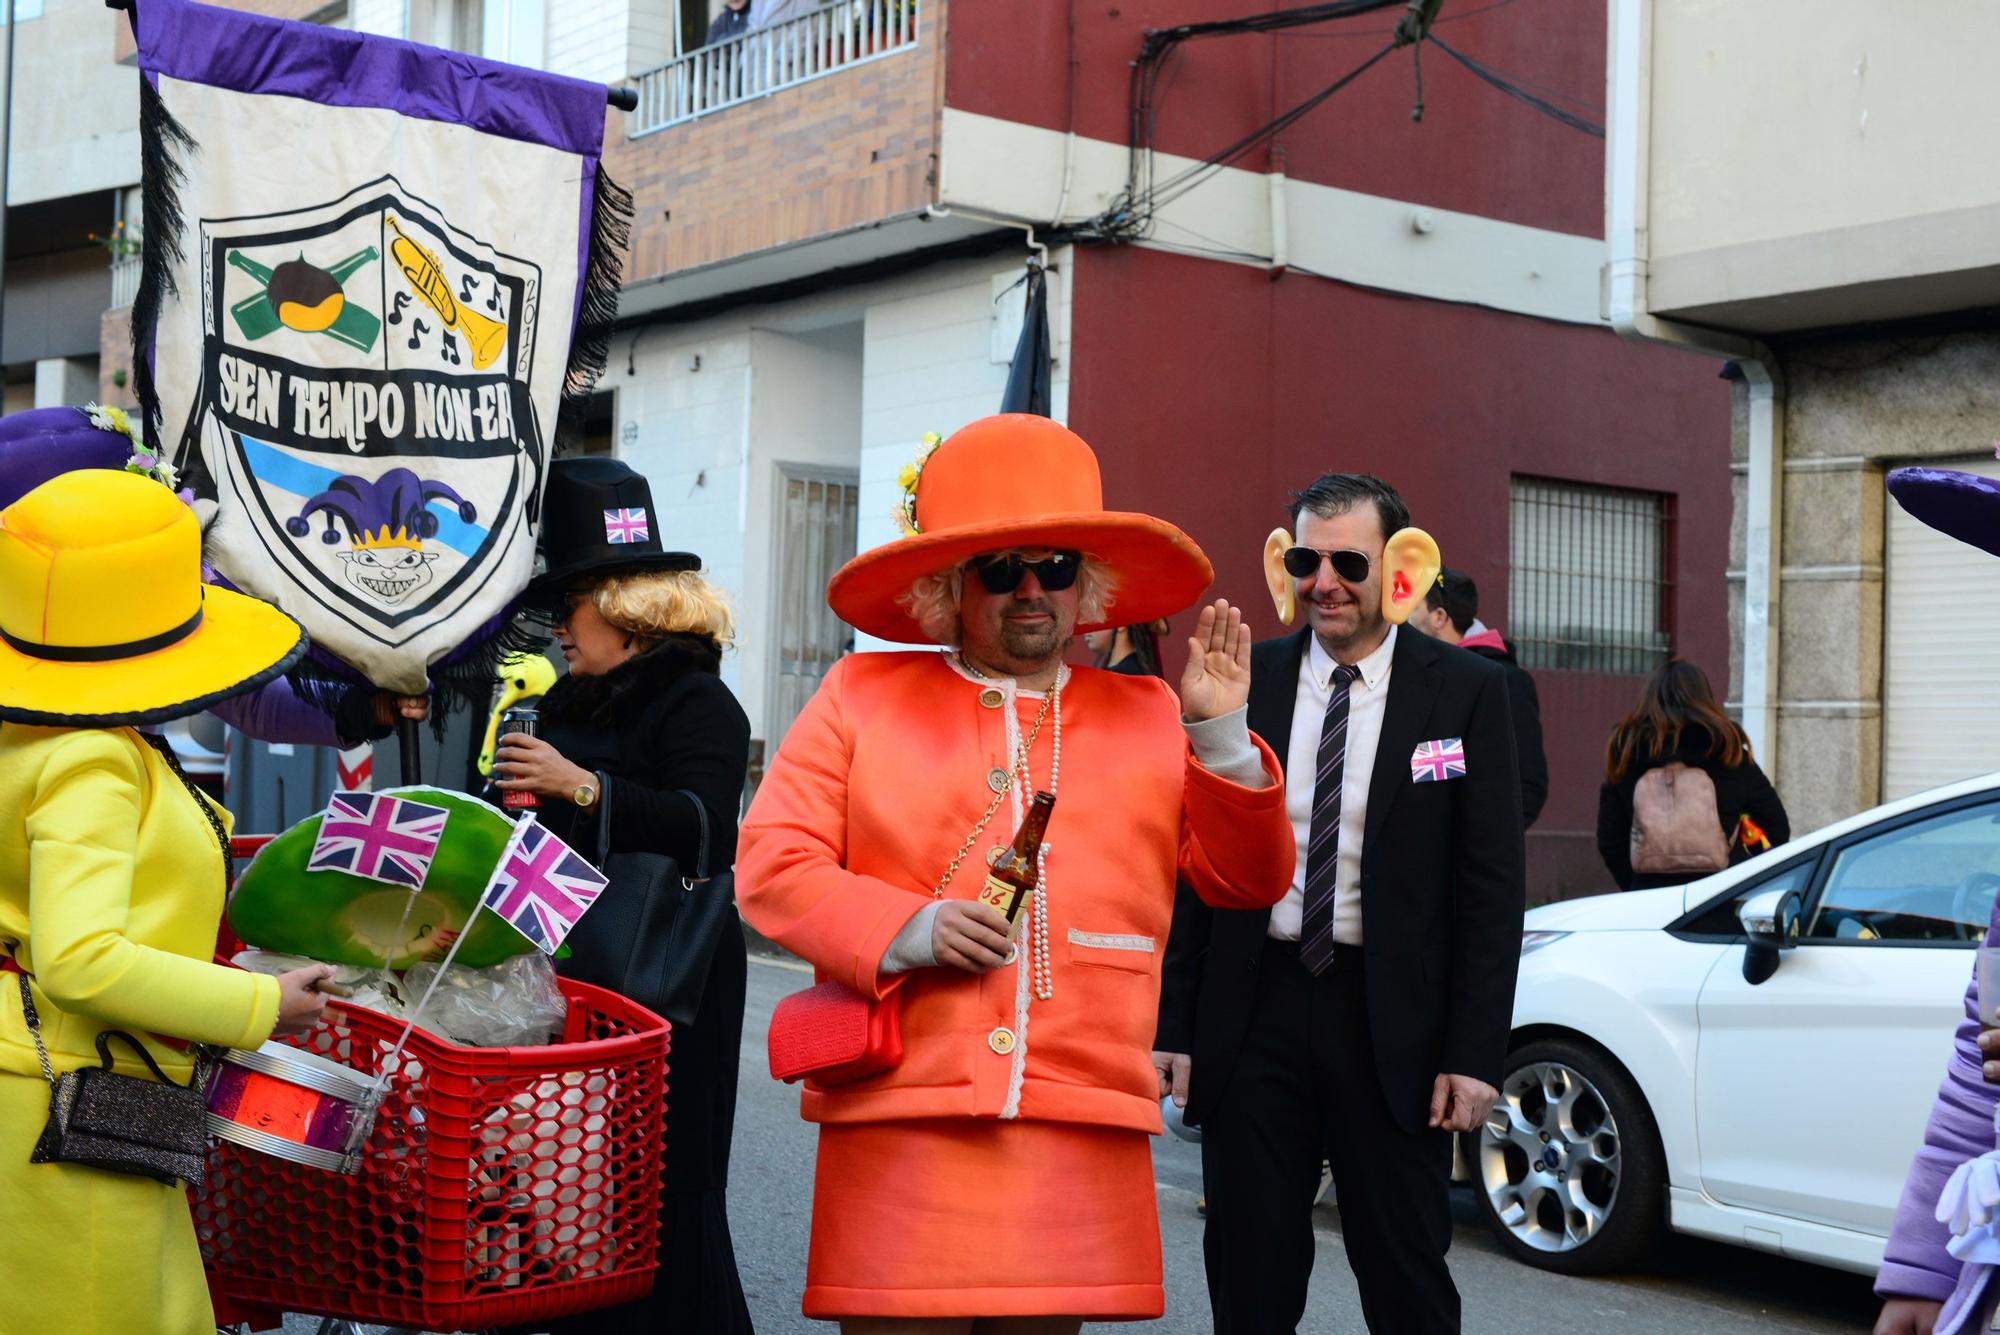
[
  {"x": 1930, "y": 880},
  {"x": 1719, "y": 918}
]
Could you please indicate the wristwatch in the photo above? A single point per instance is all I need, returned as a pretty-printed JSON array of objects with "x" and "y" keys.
[{"x": 585, "y": 795}]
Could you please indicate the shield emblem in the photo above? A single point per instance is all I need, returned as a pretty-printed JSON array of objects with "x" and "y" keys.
[{"x": 366, "y": 421}]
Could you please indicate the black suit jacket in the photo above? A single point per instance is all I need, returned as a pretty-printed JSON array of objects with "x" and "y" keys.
[{"x": 1443, "y": 882}]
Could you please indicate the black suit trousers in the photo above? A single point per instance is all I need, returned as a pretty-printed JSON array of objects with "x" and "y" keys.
[{"x": 1305, "y": 1087}]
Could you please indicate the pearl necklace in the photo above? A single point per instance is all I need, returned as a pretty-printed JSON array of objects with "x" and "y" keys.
[{"x": 1041, "y": 977}]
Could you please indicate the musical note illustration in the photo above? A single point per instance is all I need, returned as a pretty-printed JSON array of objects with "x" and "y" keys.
[
  {"x": 417, "y": 331},
  {"x": 465, "y": 287},
  {"x": 493, "y": 297},
  {"x": 451, "y": 347},
  {"x": 402, "y": 299}
]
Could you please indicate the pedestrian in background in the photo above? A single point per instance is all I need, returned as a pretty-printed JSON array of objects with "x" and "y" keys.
[
  {"x": 1133, "y": 650},
  {"x": 642, "y": 720},
  {"x": 1451, "y": 613},
  {"x": 1682, "y": 795},
  {"x": 732, "y": 21}
]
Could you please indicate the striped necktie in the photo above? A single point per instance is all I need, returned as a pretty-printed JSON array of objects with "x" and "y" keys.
[{"x": 1323, "y": 843}]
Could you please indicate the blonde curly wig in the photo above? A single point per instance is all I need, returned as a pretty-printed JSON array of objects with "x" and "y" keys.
[
  {"x": 656, "y": 603},
  {"x": 932, "y": 601}
]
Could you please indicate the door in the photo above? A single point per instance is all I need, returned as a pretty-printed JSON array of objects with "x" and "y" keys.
[
  {"x": 1812, "y": 1088},
  {"x": 816, "y": 536},
  {"x": 1940, "y": 695}
]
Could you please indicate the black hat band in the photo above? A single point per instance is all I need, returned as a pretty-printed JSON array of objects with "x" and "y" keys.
[{"x": 103, "y": 653}]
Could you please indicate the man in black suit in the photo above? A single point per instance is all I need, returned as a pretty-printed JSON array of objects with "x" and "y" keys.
[{"x": 1365, "y": 1017}]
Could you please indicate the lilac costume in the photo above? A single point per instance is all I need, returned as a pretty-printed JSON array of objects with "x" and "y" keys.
[
  {"x": 1922, "y": 1258},
  {"x": 1915, "y": 1263}
]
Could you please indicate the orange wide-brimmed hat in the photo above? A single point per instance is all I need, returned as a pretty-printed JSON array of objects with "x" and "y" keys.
[{"x": 1018, "y": 480}]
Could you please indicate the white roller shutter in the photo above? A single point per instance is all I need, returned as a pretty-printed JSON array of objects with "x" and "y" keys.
[{"x": 1941, "y": 655}]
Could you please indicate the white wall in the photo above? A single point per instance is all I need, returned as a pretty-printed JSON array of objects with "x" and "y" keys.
[
  {"x": 791, "y": 382},
  {"x": 76, "y": 120},
  {"x": 930, "y": 366}
]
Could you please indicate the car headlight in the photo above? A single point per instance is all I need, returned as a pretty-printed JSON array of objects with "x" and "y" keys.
[{"x": 1532, "y": 941}]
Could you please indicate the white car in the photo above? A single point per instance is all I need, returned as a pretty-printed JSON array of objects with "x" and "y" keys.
[{"x": 1751, "y": 1057}]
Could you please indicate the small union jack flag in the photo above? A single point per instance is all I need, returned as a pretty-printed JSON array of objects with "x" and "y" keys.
[
  {"x": 379, "y": 837},
  {"x": 542, "y": 886},
  {"x": 1441, "y": 759},
  {"x": 623, "y": 526}
]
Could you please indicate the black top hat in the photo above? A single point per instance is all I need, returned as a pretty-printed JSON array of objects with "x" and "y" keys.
[{"x": 598, "y": 519}]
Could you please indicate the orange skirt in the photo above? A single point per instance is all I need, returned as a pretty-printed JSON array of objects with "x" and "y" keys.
[{"x": 975, "y": 1217}]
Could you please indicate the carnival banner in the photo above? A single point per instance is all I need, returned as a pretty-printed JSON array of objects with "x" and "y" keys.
[{"x": 371, "y": 271}]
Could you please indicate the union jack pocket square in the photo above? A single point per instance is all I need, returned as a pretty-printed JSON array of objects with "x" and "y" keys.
[{"x": 1441, "y": 759}]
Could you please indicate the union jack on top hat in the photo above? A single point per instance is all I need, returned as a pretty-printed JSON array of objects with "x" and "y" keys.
[{"x": 598, "y": 519}]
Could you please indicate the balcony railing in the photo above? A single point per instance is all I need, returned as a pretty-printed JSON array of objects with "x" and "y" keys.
[
  {"x": 819, "y": 42},
  {"x": 124, "y": 280}
]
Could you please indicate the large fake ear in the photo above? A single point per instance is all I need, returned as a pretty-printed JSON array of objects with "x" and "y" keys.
[
  {"x": 1410, "y": 566},
  {"x": 1278, "y": 580}
]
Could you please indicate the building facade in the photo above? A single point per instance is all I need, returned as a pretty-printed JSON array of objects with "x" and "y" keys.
[
  {"x": 834, "y": 217},
  {"x": 1801, "y": 189}
]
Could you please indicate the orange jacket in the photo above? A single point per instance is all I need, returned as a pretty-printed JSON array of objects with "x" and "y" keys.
[{"x": 876, "y": 786}]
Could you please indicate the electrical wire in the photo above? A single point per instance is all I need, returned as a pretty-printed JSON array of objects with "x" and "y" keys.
[{"x": 1515, "y": 91}]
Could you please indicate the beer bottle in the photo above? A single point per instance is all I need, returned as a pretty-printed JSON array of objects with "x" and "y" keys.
[{"x": 1019, "y": 869}]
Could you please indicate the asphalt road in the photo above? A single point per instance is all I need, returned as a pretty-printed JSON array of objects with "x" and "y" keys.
[{"x": 1692, "y": 1286}]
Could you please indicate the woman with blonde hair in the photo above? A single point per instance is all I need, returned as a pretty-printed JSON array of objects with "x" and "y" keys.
[{"x": 643, "y": 721}]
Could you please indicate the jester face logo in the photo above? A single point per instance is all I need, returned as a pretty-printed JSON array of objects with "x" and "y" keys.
[{"x": 386, "y": 522}]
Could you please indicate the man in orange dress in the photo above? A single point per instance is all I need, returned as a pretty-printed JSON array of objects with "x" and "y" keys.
[{"x": 999, "y": 1177}]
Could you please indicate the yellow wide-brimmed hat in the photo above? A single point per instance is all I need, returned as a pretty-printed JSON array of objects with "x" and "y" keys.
[{"x": 104, "y": 619}]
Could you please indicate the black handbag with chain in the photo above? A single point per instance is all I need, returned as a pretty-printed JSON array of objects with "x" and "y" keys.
[
  {"x": 654, "y": 930},
  {"x": 119, "y": 1123}
]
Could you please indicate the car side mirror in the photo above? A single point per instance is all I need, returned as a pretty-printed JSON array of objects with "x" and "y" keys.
[{"x": 1770, "y": 921}]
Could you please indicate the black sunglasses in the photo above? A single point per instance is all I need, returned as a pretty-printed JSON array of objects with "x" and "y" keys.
[
  {"x": 1350, "y": 565},
  {"x": 1002, "y": 574}
]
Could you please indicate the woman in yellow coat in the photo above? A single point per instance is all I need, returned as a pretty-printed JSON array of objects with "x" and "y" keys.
[{"x": 112, "y": 876}]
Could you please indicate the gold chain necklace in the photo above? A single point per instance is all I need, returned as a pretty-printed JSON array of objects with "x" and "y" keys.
[{"x": 1020, "y": 769}]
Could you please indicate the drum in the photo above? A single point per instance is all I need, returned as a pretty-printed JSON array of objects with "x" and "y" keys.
[{"x": 292, "y": 1105}]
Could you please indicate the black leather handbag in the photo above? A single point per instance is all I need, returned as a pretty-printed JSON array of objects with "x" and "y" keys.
[
  {"x": 119, "y": 1123},
  {"x": 653, "y": 932}
]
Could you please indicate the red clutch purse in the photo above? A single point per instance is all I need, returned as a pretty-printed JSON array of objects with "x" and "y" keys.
[{"x": 833, "y": 1035}]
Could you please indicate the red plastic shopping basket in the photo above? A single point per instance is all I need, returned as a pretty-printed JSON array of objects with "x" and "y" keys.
[{"x": 499, "y": 1185}]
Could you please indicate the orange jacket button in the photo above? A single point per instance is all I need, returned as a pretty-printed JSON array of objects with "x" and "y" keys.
[
  {"x": 1001, "y": 1041},
  {"x": 991, "y": 698}
]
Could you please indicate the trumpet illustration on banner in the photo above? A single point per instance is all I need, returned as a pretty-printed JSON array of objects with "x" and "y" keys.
[{"x": 426, "y": 278}]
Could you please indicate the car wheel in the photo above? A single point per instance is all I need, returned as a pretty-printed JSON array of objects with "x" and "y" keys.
[{"x": 1568, "y": 1167}]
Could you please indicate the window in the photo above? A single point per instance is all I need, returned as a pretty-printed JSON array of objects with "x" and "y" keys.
[
  {"x": 1931, "y": 880},
  {"x": 20, "y": 9},
  {"x": 1588, "y": 591},
  {"x": 1718, "y": 917}
]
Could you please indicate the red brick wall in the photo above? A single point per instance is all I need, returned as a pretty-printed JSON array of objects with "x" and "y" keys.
[{"x": 827, "y": 156}]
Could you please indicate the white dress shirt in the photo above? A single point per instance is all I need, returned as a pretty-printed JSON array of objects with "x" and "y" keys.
[{"x": 1366, "y": 697}]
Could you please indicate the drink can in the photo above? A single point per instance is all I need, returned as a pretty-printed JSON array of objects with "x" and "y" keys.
[{"x": 526, "y": 720}]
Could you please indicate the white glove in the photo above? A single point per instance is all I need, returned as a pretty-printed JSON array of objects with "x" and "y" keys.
[{"x": 1971, "y": 1198}]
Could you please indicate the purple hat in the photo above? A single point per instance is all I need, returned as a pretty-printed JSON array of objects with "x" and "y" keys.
[
  {"x": 1958, "y": 505},
  {"x": 43, "y": 442}
]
